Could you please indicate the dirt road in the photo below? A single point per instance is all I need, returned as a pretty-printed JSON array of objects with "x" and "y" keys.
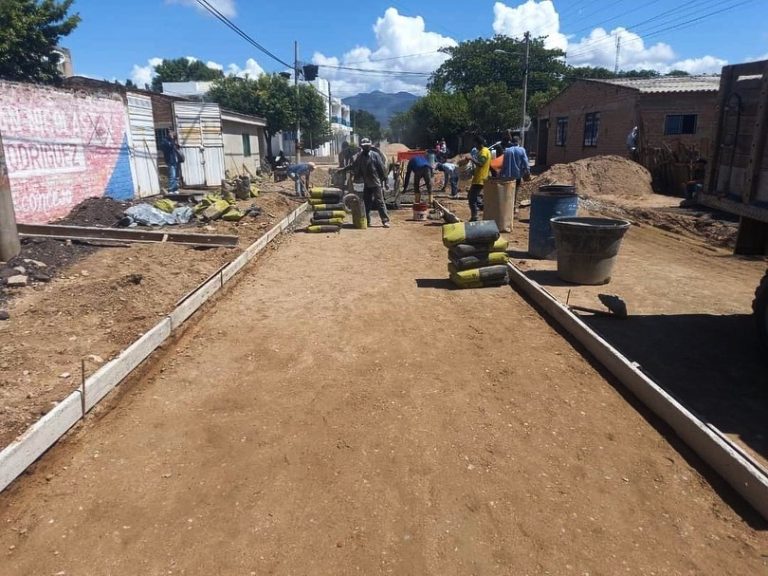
[{"x": 340, "y": 411}]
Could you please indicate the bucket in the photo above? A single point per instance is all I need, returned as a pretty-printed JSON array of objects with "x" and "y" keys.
[
  {"x": 587, "y": 247},
  {"x": 420, "y": 211},
  {"x": 550, "y": 201},
  {"x": 499, "y": 202}
]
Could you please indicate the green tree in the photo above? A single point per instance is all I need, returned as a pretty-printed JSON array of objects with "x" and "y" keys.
[
  {"x": 366, "y": 124},
  {"x": 494, "y": 108},
  {"x": 315, "y": 128},
  {"x": 29, "y": 34},
  {"x": 183, "y": 70},
  {"x": 438, "y": 115},
  {"x": 677, "y": 73}
]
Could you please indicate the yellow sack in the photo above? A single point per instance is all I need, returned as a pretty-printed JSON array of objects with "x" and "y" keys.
[
  {"x": 254, "y": 191},
  {"x": 165, "y": 205},
  {"x": 479, "y": 260},
  {"x": 480, "y": 232},
  {"x": 323, "y": 229},
  {"x": 325, "y": 221},
  {"x": 354, "y": 204},
  {"x": 334, "y": 207},
  {"x": 462, "y": 250},
  {"x": 479, "y": 277},
  {"x": 232, "y": 215},
  {"x": 324, "y": 214}
]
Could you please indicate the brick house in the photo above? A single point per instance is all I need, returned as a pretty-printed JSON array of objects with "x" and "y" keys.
[{"x": 594, "y": 117}]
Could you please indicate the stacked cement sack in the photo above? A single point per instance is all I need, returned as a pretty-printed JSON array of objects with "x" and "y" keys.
[
  {"x": 328, "y": 212},
  {"x": 477, "y": 253}
]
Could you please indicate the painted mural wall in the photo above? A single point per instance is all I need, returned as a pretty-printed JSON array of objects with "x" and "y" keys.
[{"x": 61, "y": 148}]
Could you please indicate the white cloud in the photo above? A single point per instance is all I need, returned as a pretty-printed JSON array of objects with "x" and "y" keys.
[
  {"x": 599, "y": 47},
  {"x": 540, "y": 18},
  {"x": 756, "y": 58},
  {"x": 142, "y": 75},
  {"x": 214, "y": 65},
  {"x": 251, "y": 69},
  {"x": 396, "y": 35},
  {"x": 226, "y": 7},
  {"x": 703, "y": 65}
]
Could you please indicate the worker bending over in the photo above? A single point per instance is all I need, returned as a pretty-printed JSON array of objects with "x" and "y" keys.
[
  {"x": 299, "y": 173},
  {"x": 421, "y": 169}
]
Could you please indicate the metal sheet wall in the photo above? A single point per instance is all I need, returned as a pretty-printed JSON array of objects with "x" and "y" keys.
[
  {"x": 143, "y": 148},
  {"x": 199, "y": 129}
]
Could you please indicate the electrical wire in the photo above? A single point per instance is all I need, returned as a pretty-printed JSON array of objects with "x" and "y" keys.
[{"x": 245, "y": 36}]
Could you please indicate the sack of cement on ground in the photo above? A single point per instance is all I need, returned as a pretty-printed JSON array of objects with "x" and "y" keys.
[
  {"x": 148, "y": 215},
  {"x": 215, "y": 210},
  {"x": 323, "y": 214},
  {"x": 326, "y": 195},
  {"x": 327, "y": 221},
  {"x": 253, "y": 211},
  {"x": 463, "y": 250},
  {"x": 480, "y": 232},
  {"x": 479, "y": 277},
  {"x": 322, "y": 229},
  {"x": 165, "y": 205},
  {"x": 232, "y": 214},
  {"x": 480, "y": 260},
  {"x": 355, "y": 204},
  {"x": 337, "y": 206}
]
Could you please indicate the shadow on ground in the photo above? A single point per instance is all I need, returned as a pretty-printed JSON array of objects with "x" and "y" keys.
[{"x": 712, "y": 364}]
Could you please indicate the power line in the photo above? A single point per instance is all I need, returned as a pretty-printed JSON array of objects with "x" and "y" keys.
[{"x": 227, "y": 22}]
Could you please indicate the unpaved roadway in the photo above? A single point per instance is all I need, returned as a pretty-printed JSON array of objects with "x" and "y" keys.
[{"x": 341, "y": 411}]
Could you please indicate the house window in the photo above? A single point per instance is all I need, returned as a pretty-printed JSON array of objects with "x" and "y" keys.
[
  {"x": 591, "y": 128},
  {"x": 246, "y": 145},
  {"x": 561, "y": 134},
  {"x": 160, "y": 135},
  {"x": 680, "y": 124}
]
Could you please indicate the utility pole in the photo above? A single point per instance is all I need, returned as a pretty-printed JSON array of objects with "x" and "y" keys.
[
  {"x": 330, "y": 121},
  {"x": 298, "y": 102},
  {"x": 618, "y": 51},
  {"x": 10, "y": 245},
  {"x": 525, "y": 87}
]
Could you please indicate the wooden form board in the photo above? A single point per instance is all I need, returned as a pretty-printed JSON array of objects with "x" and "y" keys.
[
  {"x": 743, "y": 474},
  {"x": 23, "y": 451}
]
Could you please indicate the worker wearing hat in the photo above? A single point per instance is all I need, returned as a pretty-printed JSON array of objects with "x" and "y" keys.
[
  {"x": 369, "y": 168},
  {"x": 299, "y": 173}
]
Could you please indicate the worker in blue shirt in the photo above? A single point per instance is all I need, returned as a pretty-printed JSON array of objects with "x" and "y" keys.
[
  {"x": 421, "y": 169},
  {"x": 299, "y": 173},
  {"x": 515, "y": 164}
]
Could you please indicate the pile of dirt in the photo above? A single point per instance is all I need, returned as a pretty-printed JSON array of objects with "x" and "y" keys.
[
  {"x": 103, "y": 212},
  {"x": 598, "y": 176},
  {"x": 393, "y": 148}
]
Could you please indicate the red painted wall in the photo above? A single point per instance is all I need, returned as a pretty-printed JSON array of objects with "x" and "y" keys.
[{"x": 61, "y": 148}]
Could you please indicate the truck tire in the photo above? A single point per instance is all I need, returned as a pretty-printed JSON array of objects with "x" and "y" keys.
[{"x": 760, "y": 310}]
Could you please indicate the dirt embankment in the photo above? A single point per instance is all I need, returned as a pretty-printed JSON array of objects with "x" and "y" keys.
[
  {"x": 616, "y": 186},
  {"x": 95, "y": 300}
]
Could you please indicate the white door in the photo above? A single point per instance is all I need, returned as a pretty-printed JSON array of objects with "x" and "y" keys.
[
  {"x": 198, "y": 125},
  {"x": 142, "y": 145}
]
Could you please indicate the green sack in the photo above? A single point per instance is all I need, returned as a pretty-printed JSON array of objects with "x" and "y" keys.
[
  {"x": 462, "y": 250},
  {"x": 165, "y": 205},
  {"x": 232, "y": 215},
  {"x": 479, "y": 277},
  {"x": 327, "y": 195},
  {"x": 480, "y": 260},
  {"x": 323, "y": 229},
  {"x": 354, "y": 204},
  {"x": 338, "y": 206},
  {"x": 480, "y": 232}
]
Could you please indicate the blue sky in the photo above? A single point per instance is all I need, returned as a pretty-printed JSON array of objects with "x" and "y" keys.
[{"x": 121, "y": 39}]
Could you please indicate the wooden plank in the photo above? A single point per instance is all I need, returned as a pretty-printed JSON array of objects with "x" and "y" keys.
[
  {"x": 43, "y": 434},
  {"x": 125, "y": 235},
  {"x": 112, "y": 373},
  {"x": 195, "y": 300},
  {"x": 744, "y": 475}
]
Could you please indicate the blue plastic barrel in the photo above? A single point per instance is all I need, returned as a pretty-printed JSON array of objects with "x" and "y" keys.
[{"x": 549, "y": 202}]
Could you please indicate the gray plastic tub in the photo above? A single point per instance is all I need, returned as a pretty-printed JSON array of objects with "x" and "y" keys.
[{"x": 587, "y": 247}]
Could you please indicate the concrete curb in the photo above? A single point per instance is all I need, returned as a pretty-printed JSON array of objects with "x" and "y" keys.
[
  {"x": 24, "y": 450},
  {"x": 744, "y": 475}
]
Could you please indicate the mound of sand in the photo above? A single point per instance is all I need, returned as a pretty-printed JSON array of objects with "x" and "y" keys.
[
  {"x": 393, "y": 148},
  {"x": 601, "y": 176}
]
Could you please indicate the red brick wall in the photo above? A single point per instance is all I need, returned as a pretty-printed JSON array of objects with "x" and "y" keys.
[
  {"x": 655, "y": 107},
  {"x": 616, "y": 106},
  {"x": 62, "y": 147}
]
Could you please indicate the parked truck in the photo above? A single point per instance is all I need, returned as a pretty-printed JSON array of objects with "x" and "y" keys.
[{"x": 737, "y": 180}]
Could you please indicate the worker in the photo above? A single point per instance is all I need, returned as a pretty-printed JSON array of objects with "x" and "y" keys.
[
  {"x": 482, "y": 164},
  {"x": 173, "y": 158},
  {"x": 421, "y": 169},
  {"x": 368, "y": 167},
  {"x": 281, "y": 160},
  {"x": 515, "y": 165},
  {"x": 450, "y": 174},
  {"x": 299, "y": 173},
  {"x": 347, "y": 154}
]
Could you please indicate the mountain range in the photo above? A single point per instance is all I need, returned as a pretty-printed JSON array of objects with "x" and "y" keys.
[{"x": 382, "y": 105}]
